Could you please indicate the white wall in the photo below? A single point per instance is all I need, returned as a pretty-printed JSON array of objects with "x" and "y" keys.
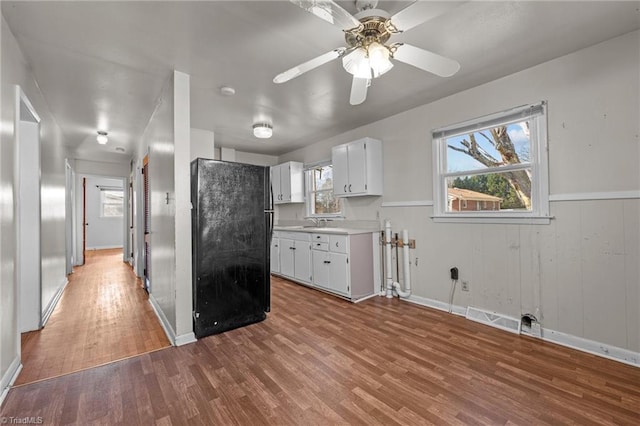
[
  {"x": 167, "y": 140},
  {"x": 580, "y": 274},
  {"x": 202, "y": 144},
  {"x": 102, "y": 232},
  {"x": 256, "y": 159},
  {"x": 15, "y": 70}
]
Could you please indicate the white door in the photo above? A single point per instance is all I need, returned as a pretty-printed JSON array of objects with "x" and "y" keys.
[
  {"x": 302, "y": 259},
  {"x": 339, "y": 273},
  {"x": 340, "y": 161},
  {"x": 28, "y": 271},
  {"x": 357, "y": 168},
  {"x": 320, "y": 268},
  {"x": 287, "y": 250},
  {"x": 275, "y": 183},
  {"x": 275, "y": 255},
  {"x": 285, "y": 182}
]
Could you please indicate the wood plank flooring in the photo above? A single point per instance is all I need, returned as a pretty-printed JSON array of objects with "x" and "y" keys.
[
  {"x": 318, "y": 360},
  {"x": 103, "y": 316}
]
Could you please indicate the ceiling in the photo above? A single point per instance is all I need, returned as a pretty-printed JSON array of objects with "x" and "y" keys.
[{"x": 102, "y": 65}]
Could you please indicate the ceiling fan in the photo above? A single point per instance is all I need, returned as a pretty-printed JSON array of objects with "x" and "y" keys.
[{"x": 367, "y": 54}]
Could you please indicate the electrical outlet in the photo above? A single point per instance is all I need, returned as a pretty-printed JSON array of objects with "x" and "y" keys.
[{"x": 465, "y": 285}]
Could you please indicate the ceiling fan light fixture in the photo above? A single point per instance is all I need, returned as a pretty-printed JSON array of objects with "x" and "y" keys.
[
  {"x": 357, "y": 63},
  {"x": 378, "y": 59},
  {"x": 102, "y": 138},
  {"x": 262, "y": 130}
]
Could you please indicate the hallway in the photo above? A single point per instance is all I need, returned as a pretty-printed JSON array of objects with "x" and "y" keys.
[{"x": 102, "y": 316}]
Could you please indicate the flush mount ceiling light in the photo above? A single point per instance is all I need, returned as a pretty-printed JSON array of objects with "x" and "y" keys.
[
  {"x": 262, "y": 130},
  {"x": 102, "y": 137},
  {"x": 227, "y": 91}
]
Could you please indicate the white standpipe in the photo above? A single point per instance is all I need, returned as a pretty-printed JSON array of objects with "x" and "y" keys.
[
  {"x": 391, "y": 285},
  {"x": 387, "y": 258},
  {"x": 405, "y": 267}
]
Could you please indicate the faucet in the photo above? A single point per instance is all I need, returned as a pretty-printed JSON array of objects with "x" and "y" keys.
[{"x": 319, "y": 222}]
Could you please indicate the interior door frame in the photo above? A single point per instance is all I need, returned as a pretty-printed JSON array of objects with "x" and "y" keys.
[
  {"x": 27, "y": 256},
  {"x": 84, "y": 220}
]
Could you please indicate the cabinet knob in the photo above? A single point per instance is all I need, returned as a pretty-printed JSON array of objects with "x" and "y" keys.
[
  {"x": 345, "y": 188},
  {"x": 336, "y": 244},
  {"x": 349, "y": 187}
]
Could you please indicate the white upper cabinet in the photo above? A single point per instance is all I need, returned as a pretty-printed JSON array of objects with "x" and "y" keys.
[
  {"x": 287, "y": 183},
  {"x": 357, "y": 168}
]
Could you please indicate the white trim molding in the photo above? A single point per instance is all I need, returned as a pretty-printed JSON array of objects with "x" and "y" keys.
[
  {"x": 46, "y": 313},
  {"x": 418, "y": 203},
  {"x": 171, "y": 335},
  {"x": 603, "y": 350},
  {"x": 436, "y": 304},
  {"x": 9, "y": 378},
  {"x": 590, "y": 346},
  {"x": 591, "y": 196},
  {"x": 185, "y": 339}
]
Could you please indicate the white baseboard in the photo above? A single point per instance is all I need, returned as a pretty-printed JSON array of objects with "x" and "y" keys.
[
  {"x": 185, "y": 339},
  {"x": 590, "y": 346},
  {"x": 9, "y": 378},
  {"x": 436, "y": 304},
  {"x": 171, "y": 335},
  {"x": 103, "y": 248},
  {"x": 579, "y": 343},
  {"x": 46, "y": 313}
]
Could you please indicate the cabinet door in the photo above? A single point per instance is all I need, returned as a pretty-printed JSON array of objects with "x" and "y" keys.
[
  {"x": 302, "y": 261},
  {"x": 320, "y": 268},
  {"x": 275, "y": 255},
  {"x": 287, "y": 250},
  {"x": 357, "y": 158},
  {"x": 285, "y": 182},
  {"x": 340, "y": 161},
  {"x": 339, "y": 273},
  {"x": 275, "y": 183}
]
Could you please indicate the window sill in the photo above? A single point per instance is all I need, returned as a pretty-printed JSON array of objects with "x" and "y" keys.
[{"x": 518, "y": 220}]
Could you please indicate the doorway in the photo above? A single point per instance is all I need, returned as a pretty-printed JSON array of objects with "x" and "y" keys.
[{"x": 27, "y": 213}]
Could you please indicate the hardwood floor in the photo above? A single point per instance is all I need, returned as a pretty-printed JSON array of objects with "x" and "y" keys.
[
  {"x": 102, "y": 316},
  {"x": 318, "y": 360}
]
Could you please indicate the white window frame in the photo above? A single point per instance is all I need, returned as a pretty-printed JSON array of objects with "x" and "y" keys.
[
  {"x": 102, "y": 201},
  {"x": 309, "y": 198},
  {"x": 536, "y": 114}
]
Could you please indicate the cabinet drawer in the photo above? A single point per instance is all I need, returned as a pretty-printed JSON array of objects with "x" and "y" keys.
[
  {"x": 320, "y": 246},
  {"x": 320, "y": 238},
  {"x": 338, "y": 243},
  {"x": 298, "y": 236}
]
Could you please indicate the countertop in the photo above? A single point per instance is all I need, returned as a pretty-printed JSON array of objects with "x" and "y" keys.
[{"x": 324, "y": 230}]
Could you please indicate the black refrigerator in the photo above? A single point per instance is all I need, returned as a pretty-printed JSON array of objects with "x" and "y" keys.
[{"x": 232, "y": 221}]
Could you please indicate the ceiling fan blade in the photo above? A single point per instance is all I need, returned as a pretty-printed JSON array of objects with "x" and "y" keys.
[
  {"x": 359, "y": 88},
  {"x": 309, "y": 65},
  {"x": 421, "y": 12},
  {"x": 330, "y": 12},
  {"x": 425, "y": 60}
]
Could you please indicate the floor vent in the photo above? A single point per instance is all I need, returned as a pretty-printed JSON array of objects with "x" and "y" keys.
[{"x": 493, "y": 319}]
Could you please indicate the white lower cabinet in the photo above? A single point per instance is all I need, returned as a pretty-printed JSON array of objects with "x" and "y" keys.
[
  {"x": 341, "y": 264},
  {"x": 331, "y": 262},
  {"x": 295, "y": 256}
]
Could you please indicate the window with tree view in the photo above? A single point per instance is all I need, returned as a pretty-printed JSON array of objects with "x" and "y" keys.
[
  {"x": 321, "y": 201},
  {"x": 494, "y": 166}
]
